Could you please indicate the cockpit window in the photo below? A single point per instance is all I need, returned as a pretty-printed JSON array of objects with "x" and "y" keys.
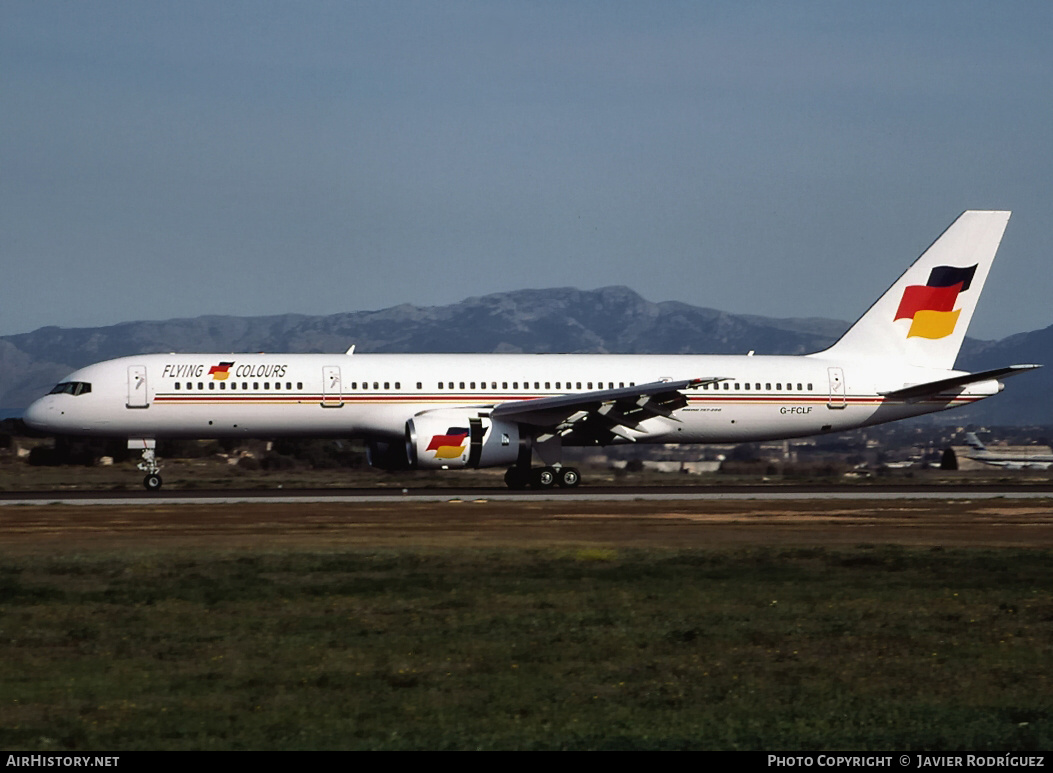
[{"x": 71, "y": 388}]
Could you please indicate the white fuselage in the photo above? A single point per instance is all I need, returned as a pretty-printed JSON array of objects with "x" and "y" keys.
[{"x": 374, "y": 395}]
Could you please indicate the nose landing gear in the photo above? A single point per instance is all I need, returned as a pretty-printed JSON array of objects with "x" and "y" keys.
[{"x": 149, "y": 464}]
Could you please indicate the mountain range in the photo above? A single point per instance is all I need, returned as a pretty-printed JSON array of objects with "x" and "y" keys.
[{"x": 607, "y": 320}]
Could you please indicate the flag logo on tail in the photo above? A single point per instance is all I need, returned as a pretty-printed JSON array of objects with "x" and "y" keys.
[
  {"x": 450, "y": 445},
  {"x": 930, "y": 307}
]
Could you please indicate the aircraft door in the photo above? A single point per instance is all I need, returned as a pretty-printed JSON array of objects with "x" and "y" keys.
[
  {"x": 138, "y": 396},
  {"x": 837, "y": 388},
  {"x": 332, "y": 389}
]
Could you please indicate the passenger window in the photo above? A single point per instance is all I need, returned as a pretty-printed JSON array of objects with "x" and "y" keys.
[
  {"x": 177, "y": 385},
  {"x": 747, "y": 387},
  {"x": 277, "y": 385},
  {"x": 387, "y": 385},
  {"x": 211, "y": 384},
  {"x": 548, "y": 385}
]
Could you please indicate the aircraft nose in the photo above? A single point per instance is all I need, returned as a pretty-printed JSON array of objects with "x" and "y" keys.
[{"x": 39, "y": 414}]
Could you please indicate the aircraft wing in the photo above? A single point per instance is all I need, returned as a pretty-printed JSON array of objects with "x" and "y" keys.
[
  {"x": 931, "y": 388},
  {"x": 602, "y": 413}
]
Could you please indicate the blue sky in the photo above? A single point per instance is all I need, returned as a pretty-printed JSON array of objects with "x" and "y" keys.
[{"x": 165, "y": 159}]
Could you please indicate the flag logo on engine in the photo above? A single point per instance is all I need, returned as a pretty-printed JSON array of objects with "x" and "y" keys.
[{"x": 450, "y": 445}]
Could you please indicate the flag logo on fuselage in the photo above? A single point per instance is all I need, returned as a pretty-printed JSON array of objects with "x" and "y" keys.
[
  {"x": 220, "y": 372},
  {"x": 450, "y": 445},
  {"x": 930, "y": 307}
]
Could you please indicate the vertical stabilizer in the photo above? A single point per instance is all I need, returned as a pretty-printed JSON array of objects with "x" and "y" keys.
[{"x": 923, "y": 317}]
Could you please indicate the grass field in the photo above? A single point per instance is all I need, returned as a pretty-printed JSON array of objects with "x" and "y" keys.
[{"x": 559, "y": 648}]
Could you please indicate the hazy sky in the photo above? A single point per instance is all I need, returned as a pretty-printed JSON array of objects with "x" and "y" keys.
[{"x": 171, "y": 159}]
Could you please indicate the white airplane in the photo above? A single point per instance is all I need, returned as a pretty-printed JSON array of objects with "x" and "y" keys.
[
  {"x": 1011, "y": 461},
  {"x": 450, "y": 411}
]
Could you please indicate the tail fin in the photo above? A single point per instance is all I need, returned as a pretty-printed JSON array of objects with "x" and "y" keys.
[
  {"x": 973, "y": 442},
  {"x": 921, "y": 320}
]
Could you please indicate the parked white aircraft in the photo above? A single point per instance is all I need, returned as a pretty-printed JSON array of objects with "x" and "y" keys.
[
  {"x": 486, "y": 410},
  {"x": 1010, "y": 460}
]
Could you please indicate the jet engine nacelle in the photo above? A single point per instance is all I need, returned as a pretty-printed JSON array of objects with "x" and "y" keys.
[{"x": 458, "y": 439}]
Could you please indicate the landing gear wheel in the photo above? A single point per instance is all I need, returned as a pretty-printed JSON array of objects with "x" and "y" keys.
[
  {"x": 517, "y": 479},
  {"x": 569, "y": 477},
  {"x": 152, "y": 482},
  {"x": 544, "y": 477}
]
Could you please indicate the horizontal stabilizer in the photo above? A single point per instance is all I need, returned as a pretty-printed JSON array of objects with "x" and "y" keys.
[{"x": 943, "y": 384}]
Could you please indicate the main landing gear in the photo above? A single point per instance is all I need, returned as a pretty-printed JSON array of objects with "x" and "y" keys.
[
  {"x": 549, "y": 449},
  {"x": 149, "y": 464},
  {"x": 542, "y": 477}
]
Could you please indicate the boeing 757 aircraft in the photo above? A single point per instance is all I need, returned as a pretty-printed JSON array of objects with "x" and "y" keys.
[{"x": 451, "y": 411}]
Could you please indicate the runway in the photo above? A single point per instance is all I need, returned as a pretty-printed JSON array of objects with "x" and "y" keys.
[{"x": 501, "y": 494}]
